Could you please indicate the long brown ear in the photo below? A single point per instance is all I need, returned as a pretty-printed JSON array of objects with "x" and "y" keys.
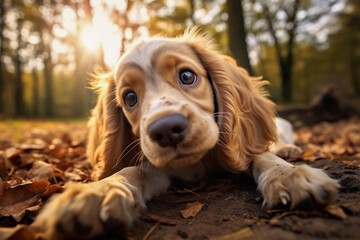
[
  {"x": 110, "y": 133},
  {"x": 246, "y": 116}
]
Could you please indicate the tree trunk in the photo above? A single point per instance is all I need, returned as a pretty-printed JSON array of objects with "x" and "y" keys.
[
  {"x": 49, "y": 103},
  {"x": 35, "y": 92},
  {"x": 285, "y": 62},
  {"x": 286, "y": 76},
  {"x": 354, "y": 66},
  {"x": 2, "y": 80},
  {"x": 48, "y": 68},
  {"x": 18, "y": 85},
  {"x": 287, "y": 81},
  {"x": 237, "y": 34}
]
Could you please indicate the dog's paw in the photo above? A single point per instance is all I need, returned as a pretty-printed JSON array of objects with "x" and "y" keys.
[
  {"x": 288, "y": 151},
  {"x": 84, "y": 211},
  {"x": 300, "y": 186}
]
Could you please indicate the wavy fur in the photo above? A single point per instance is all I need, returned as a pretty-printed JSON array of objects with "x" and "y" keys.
[{"x": 246, "y": 114}]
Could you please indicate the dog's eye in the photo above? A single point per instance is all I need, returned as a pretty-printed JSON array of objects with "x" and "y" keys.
[
  {"x": 130, "y": 99},
  {"x": 187, "y": 77}
]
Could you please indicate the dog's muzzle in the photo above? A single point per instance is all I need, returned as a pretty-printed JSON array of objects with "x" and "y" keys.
[{"x": 168, "y": 131}]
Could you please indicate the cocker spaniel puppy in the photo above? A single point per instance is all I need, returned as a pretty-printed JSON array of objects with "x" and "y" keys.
[{"x": 176, "y": 108}]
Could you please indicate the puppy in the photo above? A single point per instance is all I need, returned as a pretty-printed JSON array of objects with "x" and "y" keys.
[{"x": 176, "y": 108}]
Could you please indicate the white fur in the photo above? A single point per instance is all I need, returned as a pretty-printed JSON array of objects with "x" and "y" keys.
[
  {"x": 284, "y": 131},
  {"x": 284, "y": 147},
  {"x": 283, "y": 183}
]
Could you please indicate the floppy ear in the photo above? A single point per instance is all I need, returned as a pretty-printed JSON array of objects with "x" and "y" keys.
[
  {"x": 110, "y": 133},
  {"x": 246, "y": 116}
]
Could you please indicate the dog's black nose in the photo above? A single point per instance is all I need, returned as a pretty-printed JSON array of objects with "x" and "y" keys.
[{"x": 168, "y": 131}]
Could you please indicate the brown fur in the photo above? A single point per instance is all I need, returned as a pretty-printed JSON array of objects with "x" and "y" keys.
[
  {"x": 243, "y": 108},
  {"x": 235, "y": 137}
]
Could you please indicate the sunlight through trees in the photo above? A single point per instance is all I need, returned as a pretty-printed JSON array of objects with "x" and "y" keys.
[{"x": 49, "y": 49}]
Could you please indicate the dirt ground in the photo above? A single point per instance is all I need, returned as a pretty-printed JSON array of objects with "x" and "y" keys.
[
  {"x": 47, "y": 155},
  {"x": 232, "y": 205}
]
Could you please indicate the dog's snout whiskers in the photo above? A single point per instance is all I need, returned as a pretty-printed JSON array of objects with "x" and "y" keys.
[{"x": 126, "y": 151}]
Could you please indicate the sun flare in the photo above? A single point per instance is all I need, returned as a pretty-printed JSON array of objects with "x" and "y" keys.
[{"x": 90, "y": 39}]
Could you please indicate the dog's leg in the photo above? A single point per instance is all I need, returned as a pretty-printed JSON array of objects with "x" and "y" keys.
[
  {"x": 285, "y": 147},
  {"x": 285, "y": 185},
  {"x": 87, "y": 210}
]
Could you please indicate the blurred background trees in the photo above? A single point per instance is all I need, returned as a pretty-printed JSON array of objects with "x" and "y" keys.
[{"x": 49, "y": 48}]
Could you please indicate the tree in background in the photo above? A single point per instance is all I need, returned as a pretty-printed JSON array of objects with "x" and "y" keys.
[
  {"x": 283, "y": 24},
  {"x": 349, "y": 37},
  {"x": 18, "y": 83},
  {"x": 237, "y": 34},
  {"x": 2, "y": 80},
  {"x": 290, "y": 42}
]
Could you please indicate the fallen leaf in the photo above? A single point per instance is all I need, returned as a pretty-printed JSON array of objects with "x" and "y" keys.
[
  {"x": 41, "y": 170},
  {"x": 3, "y": 166},
  {"x": 307, "y": 154},
  {"x": 58, "y": 151},
  {"x": 52, "y": 189},
  {"x": 12, "y": 152},
  {"x": 243, "y": 233},
  {"x": 191, "y": 209},
  {"x": 76, "y": 151},
  {"x": 336, "y": 211},
  {"x": 274, "y": 222},
  {"x": 353, "y": 138},
  {"x": 36, "y": 144},
  {"x": 16, "y": 200}
]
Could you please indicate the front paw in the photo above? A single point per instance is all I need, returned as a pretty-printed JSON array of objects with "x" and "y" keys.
[
  {"x": 297, "y": 187},
  {"x": 84, "y": 211},
  {"x": 288, "y": 151}
]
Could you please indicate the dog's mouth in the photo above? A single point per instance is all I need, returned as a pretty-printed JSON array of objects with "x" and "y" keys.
[
  {"x": 176, "y": 159},
  {"x": 178, "y": 139},
  {"x": 186, "y": 159}
]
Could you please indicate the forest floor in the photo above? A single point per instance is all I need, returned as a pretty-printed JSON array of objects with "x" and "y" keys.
[{"x": 38, "y": 158}]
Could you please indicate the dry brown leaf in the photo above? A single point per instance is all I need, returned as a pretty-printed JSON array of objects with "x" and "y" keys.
[
  {"x": 274, "y": 222},
  {"x": 14, "y": 201},
  {"x": 52, "y": 189},
  {"x": 76, "y": 151},
  {"x": 191, "y": 209},
  {"x": 18, "y": 210},
  {"x": 58, "y": 151},
  {"x": 3, "y": 166},
  {"x": 307, "y": 154},
  {"x": 336, "y": 211},
  {"x": 12, "y": 152},
  {"x": 243, "y": 233},
  {"x": 354, "y": 138},
  {"x": 41, "y": 170},
  {"x": 35, "y": 144}
]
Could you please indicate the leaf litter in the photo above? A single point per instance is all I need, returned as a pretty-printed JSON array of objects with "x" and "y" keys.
[
  {"x": 37, "y": 166},
  {"x": 40, "y": 163}
]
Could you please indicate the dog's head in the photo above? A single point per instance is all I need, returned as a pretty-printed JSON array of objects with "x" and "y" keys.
[{"x": 179, "y": 98}]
